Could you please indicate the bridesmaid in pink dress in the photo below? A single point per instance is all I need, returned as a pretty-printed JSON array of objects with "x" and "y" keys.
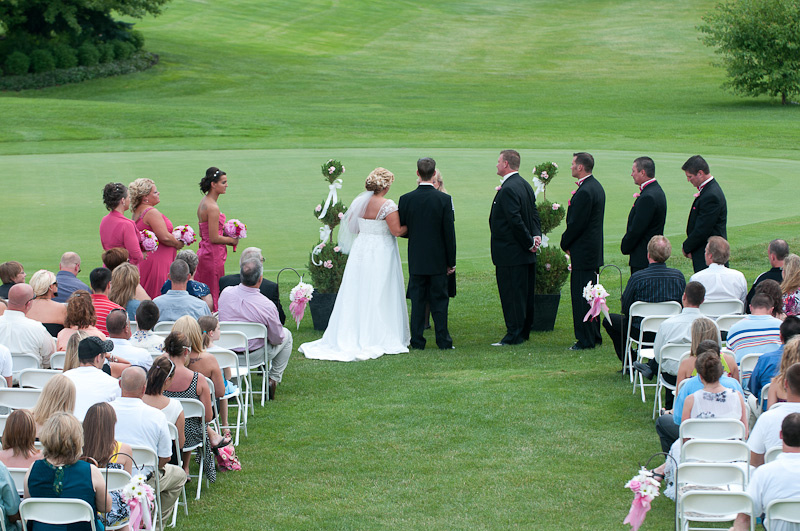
[
  {"x": 115, "y": 229},
  {"x": 154, "y": 269},
  {"x": 212, "y": 253}
]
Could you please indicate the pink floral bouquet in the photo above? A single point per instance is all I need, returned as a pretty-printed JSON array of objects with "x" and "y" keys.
[
  {"x": 595, "y": 295},
  {"x": 644, "y": 488},
  {"x": 299, "y": 297},
  {"x": 148, "y": 240},
  {"x": 184, "y": 233},
  {"x": 140, "y": 499},
  {"x": 234, "y": 228}
]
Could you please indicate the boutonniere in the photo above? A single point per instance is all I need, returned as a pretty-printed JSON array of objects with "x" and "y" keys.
[
  {"x": 635, "y": 195},
  {"x": 697, "y": 194},
  {"x": 497, "y": 188}
]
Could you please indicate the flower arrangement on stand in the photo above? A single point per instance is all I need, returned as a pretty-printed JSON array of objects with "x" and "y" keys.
[
  {"x": 140, "y": 499},
  {"x": 644, "y": 488},
  {"x": 327, "y": 261}
]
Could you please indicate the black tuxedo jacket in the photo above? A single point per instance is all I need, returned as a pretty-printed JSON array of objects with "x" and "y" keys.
[
  {"x": 646, "y": 219},
  {"x": 268, "y": 289},
  {"x": 514, "y": 222},
  {"x": 428, "y": 214},
  {"x": 583, "y": 237},
  {"x": 708, "y": 217}
]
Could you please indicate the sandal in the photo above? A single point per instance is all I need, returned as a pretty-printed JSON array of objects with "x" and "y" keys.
[{"x": 226, "y": 440}]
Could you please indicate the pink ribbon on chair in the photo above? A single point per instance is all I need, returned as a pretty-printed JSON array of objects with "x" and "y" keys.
[
  {"x": 298, "y": 309},
  {"x": 139, "y": 516},
  {"x": 598, "y": 305},
  {"x": 639, "y": 508}
]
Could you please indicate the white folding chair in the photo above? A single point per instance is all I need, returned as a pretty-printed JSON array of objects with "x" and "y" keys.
[
  {"x": 57, "y": 511},
  {"x": 3, "y": 419},
  {"x": 718, "y": 451},
  {"x": 36, "y": 378},
  {"x": 645, "y": 351},
  {"x": 234, "y": 340},
  {"x": 773, "y": 453},
  {"x": 746, "y": 366},
  {"x": 116, "y": 479},
  {"x": 23, "y": 360},
  {"x": 163, "y": 326},
  {"x": 18, "y": 475},
  {"x": 786, "y": 510},
  {"x": 725, "y": 322},
  {"x": 134, "y": 326},
  {"x": 14, "y": 398},
  {"x": 671, "y": 351},
  {"x": 2, "y": 520},
  {"x": 713, "y": 429},
  {"x": 144, "y": 456},
  {"x": 193, "y": 408},
  {"x": 57, "y": 360},
  {"x": 253, "y": 331},
  {"x": 228, "y": 359},
  {"x": 644, "y": 309},
  {"x": 762, "y": 398},
  {"x": 714, "y": 309},
  {"x": 173, "y": 434},
  {"x": 713, "y": 506}
]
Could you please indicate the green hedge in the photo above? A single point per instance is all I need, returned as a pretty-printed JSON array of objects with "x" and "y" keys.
[{"x": 137, "y": 63}]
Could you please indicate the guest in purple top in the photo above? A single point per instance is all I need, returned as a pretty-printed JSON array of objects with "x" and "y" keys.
[{"x": 115, "y": 229}]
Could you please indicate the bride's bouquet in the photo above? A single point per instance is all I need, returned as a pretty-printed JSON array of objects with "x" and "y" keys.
[
  {"x": 299, "y": 297},
  {"x": 148, "y": 240},
  {"x": 184, "y": 233}
]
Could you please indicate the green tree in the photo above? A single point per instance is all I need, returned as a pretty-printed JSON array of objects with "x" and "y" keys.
[{"x": 759, "y": 43}]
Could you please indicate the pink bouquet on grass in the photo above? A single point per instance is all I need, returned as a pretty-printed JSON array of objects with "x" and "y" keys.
[
  {"x": 299, "y": 297},
  {"x": 234, "y": 228},
  {"x": 148, "y": 240},
  {"x": 184, "y": 233},
  {"x": 140, "y": 499}
]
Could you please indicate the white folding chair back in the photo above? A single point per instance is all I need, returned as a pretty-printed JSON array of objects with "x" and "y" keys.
[
  {"x": 57, "y": 360},
  {"x": 252, "y": 331},
  {"x": 193, "y": 408},
  {"x": 670, "y": 351},
  {"x": 58, "y": 511},
  {"x": 714, "y": 309},
  {"x": 717, "y": 451},
  {"x": 763, "y": 397},
  {"x": 145, "y": 456},
  {"x": 235, "y": 340},
  {"x": 14, "y": 398},
  {"x": 116, "y": 479},
  {"x": 3, "y": 382},
  {"x": 23, "y": 360},
  {"x": 713, "y": 506},
  {"x": 2, "y": 520},
  {"x": 134, "y": 326},
  {"x": 645, "y": 348},
  {"x": 713, "y": 429},
  {"x": 163, "y": 326},
  {"x": 18, "y": 475},
  {"x": 725, "y": 322},
  {"x": 228, "y": 359},
  {"x": 644, "y": 309},
  {"x": 3, "y": 419},
  {"x": 746, "y": 366},
  {"x": 725, "y": 475},
  {"x": 787, "y": 510},
  {"x": 773, "y": 453},
  {"x": 36, "y": 378}
]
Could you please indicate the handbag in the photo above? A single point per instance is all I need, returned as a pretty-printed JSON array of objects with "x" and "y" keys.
[{"x": 226, "y": 458}]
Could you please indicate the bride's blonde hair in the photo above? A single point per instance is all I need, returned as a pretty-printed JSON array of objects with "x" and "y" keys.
[{"x": 379, "y": 179}]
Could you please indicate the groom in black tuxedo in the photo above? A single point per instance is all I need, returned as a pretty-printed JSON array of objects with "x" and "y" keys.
[
  {"x": 428, "y": 214},
  {"x": 516, "y": 236}
]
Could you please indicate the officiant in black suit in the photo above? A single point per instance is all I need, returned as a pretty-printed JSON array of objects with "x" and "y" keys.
[
  {"x": 428, "y": 214},
  {"x": 583, "y": 241},
  {"x": 515, "y": 237},
  {"x": 647, "y": 216},
  {"x": 709, "y": 214}
]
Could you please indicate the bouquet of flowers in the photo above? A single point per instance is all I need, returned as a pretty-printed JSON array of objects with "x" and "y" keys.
[
  {"x": 184, "y": 233},
  {"x": 148, "y": 240},
  {"x": 595, "y": 295},
  {"x": 140, "y": 499},
  {"x": 644, "y": 488},
  {"x": 234, "y": 228},
  {"x": 299, "y": 297}
]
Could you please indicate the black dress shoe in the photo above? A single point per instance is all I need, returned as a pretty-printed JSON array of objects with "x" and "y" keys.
[
  {"x": 643, "y": 369},
  {"x": 271, "y": 388},
  {"x": 577, "y": 346}
]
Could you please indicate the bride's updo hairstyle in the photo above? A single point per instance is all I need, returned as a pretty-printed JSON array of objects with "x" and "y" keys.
[
  {"x": 138, "y": 190},
  {"x": 213, "y": 175},
  {"x": 379, "y": 179},
  {"x": 113, "y": 194}
]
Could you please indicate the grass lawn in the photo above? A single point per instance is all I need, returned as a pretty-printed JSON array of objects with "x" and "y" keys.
[{"x": 529, "y": 437}]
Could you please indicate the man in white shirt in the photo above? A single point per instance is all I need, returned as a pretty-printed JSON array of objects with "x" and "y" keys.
[
  {"x": 721, "y": 282},
  {"x": 6, "y": 364},
  {"x": 21, "y": 334},
  {"x": 141, "y": 425},
  {"x": 119, "y": 331},
  {"x": 778, "y": 479},
  {"x": 766, "y": 432},
  {"x": 92, "y": 385}
]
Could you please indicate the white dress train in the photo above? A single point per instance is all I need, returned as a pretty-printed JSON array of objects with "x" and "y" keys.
[{"x": 370, "y": 317}]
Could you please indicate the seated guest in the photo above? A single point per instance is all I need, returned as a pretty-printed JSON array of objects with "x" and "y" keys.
[
  {"x": 119, "y": 332},
  {"x": 766, "y": 432},
  {"x": 705, "y": 338},
  {"x": 9, "y": 499},
  {"x": 66, "y": 277},
  {"x": 43, "y": 309},
  {"x": 141, "y": 425},
  {"x": 58, "y": 395},
  {"x": 114, "y": 257},
  {"x": 772, "y": 289},
  {"x": 656, "y": 283},
  {"x": 144, "y": 337},
  {"x": 10, "y": 273},
  {"x": 100, "y": 279},
  {"x": 159, "y": 378},
  {"x": 777, "y": 252},
  {"x": 61, "y": 474},
  {"x": 19, "y": 436},
  {"x": 790, "y": 287},
  {"x": 177, "y": 302},
  {"x": 758, "y": 332},
  {"x": 21, "y": 334},
  {"x": 776, "y": 480},
  {"x": 92, "y": 384},
  {"x": 720, "y": 282},
  {"x": 193, "y": 287},
  {"x": 267, "y": 288},
  {"x": 71, "y": 353},
  {"x": 80, "y": 316},
  {"x": 125, "y": 288},
  {"x": 767, "y": 366},
  {"x": 245, "y": 303},
  {"x": 3, "y": 306},
  {"x": 777, "y": 390}
]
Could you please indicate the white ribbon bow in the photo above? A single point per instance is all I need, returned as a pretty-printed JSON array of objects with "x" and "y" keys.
[
  {"x": 332, "y": 198},
  {"x": 324, "y": 234},
  {"x": 538, "y": 186},
  {"x": 545, "y": 239}
]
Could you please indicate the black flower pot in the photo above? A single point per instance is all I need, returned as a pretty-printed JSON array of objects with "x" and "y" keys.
[
  {"x": 545, "y": 311},
  {"x": 321, "y": 305}
]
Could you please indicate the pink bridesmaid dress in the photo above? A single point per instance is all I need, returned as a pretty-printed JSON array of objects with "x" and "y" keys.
[
  {"x": 118, "y": 231},
  {"x": 211, "y": 259},
  {"x": 154, "y": 269}
]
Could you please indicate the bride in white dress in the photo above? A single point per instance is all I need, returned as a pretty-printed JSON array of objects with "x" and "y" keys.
[{"x": 370, "y": 317}]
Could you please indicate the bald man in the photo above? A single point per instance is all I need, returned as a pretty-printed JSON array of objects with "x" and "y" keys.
[
  {"x": 23, "y": 335},
  {"x": 66, "y": 277}
]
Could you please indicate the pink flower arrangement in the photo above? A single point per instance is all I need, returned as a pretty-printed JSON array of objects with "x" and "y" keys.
[
  {"x": 328, "y": 264},
  {"x": 547, "y": 266},
  {"x": 341, "y": 215},
  {"x": 337, "y": 249},
  {"x": 140, "y": 498},
  {"x": 184, "y": 233},
  {"x": 497, "y": 188},
  {"x": 299, "y": 297},
  {"x": 235, "y": 229},
  {"x": 644, "y": 488},
  {"x": 148, "y": 240}
]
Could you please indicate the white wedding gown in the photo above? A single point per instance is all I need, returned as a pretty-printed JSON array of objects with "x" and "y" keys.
[{"x": 370, "y": 317}]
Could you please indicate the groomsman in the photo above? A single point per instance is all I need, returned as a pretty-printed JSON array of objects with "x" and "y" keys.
[
  {"x": 709, "y": 214},
  {"x": 647, "y": 216},
  {"x": 516, "y": 236},
  {"x": 583, "y": 241}
]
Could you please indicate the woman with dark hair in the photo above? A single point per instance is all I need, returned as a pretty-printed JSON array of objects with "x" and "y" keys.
[
  {"x": 159, "y": 377},
  {"x": 115, "y": 229},
  {"x": 212, "y": 253},
  {"x": 18, "y": 438},
  {"x": 100, "y": 446},
  {"x": 80, "y": 316}
]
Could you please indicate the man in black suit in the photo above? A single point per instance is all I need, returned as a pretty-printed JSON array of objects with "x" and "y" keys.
[
  {"x": 268, "y": 288},
  {"x": 647, "y": 216},
  {"x": 778, "y": 250},
  {"x": 583, "y": 241},
  {"x": 428, "y": 214},
  {"x": 516, "y": 236},
  {"x": 709, "y": 214}
]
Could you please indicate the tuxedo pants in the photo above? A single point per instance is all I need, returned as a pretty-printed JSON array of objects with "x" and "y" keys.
[
  {"x": 432, "y": 290},
  {"x": 516, "y": 286},
  {"x": 587, "y": 333}
]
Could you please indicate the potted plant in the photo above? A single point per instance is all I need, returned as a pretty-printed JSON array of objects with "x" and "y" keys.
[
  {"x": 326, "y": 263},
  {"x": 552, "y": 266}
]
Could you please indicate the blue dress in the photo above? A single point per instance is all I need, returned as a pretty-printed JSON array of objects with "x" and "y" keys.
[{"x": 70, "y": 481}]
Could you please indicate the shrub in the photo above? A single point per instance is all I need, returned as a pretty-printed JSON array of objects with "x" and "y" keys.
[
  {"x": 552, "y": 270},
  {"x": 17, "y": 63},
  {"x": 106, "y": 50},
  {"x": 123, "y": 50},
  {"x": 42, "y": 61},
  {"x": 88, "y": 55},
  {"x": 65, "y": 56},
  {"x": 137, "y": 39}
]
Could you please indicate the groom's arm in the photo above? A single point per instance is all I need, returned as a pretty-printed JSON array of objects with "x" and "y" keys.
[{"x": 402, "y": 211}]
